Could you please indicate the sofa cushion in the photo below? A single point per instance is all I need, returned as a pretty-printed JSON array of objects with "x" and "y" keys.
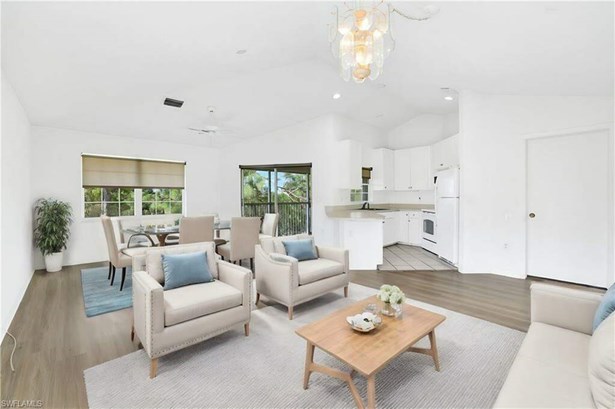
[
  {"x": 276, "y": 245},
  {"x": 153, "y": 258},
  {"x": 193, "y": 301},
  {"x": 315, "y": 270},
  {"x": 301, "y": 249},
  {"x": 606, "y": 307},
  {"x": 185, "y": 269},
  {"x": 549, "y": 371},
  {"x": 601, "y": 364}
]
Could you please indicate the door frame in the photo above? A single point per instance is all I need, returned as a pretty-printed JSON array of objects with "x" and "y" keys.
[{"x": 608, "y": 127}]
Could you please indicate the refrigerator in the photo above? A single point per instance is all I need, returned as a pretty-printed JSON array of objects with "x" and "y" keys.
[{"x": 447, "y": 214}]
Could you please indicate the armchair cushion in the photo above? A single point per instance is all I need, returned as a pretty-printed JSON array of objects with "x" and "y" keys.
[
  {"x": 185, "y": 269},
  {"x": 276, "y": 245},
  {"x": 315, "y": 270},
  {"x": 300, "y": 249},
  {"x": 606, "y": 307},
  {"x": 194, "y": 301},
  {"x": 153, "y": 257}
]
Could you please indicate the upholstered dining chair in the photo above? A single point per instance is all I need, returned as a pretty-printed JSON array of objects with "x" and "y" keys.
[
  {"x": 196, "y": 229},
  {"x": 244, "y": 238},
  {"x": 118, "y": 258},
  {"x": 269, "y": 228},
  {"x": 133, "y": 240}
]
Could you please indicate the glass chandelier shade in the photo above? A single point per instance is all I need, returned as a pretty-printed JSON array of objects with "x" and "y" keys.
[{"x": 361, "y": 39}]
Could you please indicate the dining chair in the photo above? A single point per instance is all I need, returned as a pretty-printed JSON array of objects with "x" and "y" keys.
[
  {"x": 196, "y": 229},
  {"x": 269, "y": 228},
  {"x": 244, "y": 238},
  {"x": 118, "y": 258}
]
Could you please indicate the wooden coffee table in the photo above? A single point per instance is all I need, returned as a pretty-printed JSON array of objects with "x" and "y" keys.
[{"x": 368, "y": 353}]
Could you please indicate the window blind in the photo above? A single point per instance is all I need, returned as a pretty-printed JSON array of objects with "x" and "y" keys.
[{"x": 108, "y": 171}]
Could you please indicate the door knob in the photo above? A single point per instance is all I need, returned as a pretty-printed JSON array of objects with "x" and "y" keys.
[{"x": 532, "y": 215}]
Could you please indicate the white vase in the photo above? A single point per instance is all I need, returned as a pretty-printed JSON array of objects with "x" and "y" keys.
[{"x": 53, "y": 262}]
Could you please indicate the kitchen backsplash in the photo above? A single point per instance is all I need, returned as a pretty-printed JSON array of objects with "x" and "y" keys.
[{"x": 422, "y": 196}]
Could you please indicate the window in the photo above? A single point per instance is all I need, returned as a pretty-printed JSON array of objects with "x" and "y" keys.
[
  {"x": 109, "y": 201},
  {"x": 360, "y": 195},
  {"x": 281, "y": 189},
  {"x": 120, "y": 186},
  {"x": 161, "y": 201}
]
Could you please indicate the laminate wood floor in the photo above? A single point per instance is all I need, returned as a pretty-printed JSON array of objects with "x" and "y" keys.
[{"x": 56, "y": 341}]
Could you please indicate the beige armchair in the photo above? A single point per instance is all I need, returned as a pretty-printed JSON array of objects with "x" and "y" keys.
[
  {"x": 291, "y": 282},
  {"x": 244, "y": 236},
  {"x": 166, "y": 321}
]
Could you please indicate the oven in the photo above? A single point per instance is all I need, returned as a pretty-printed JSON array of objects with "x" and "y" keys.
[{"x": 429, "y": 241}]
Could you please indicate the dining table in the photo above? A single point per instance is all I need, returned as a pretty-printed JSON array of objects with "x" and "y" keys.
[{"x": 162, "y": 231}]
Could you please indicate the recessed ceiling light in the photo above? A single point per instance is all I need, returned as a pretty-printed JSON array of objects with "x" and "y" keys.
[
  {"x": 449, "y": 98},
  {"x": 240, "y": 52},
  {"x": 337, "y": 95}
]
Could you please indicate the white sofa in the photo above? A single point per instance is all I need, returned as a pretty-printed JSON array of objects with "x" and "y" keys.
[
  {"x": 291, "y": 282},
  {"x": 166, "y": 321},
  {"x": 560, "y": 363}
]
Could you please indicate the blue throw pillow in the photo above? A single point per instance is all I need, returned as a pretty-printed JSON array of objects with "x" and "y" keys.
[
  {"x": 300, "y": 249},
  {"x": 185, "y": 269},
  {"x": 606, "y": 307}
]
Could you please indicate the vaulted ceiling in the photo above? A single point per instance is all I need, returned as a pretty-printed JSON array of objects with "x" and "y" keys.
[{"x": 107, "y": 66}]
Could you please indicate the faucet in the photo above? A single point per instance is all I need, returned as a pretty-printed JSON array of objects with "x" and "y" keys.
[{"x": 365, "y": 206}]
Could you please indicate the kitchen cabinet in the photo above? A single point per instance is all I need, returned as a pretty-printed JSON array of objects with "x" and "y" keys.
[
  {"x": 412, "y": 169},
  {"x": 411, "y": 227},
  {"x": 349, "y": 163},
  {"x": 445, "y": 154},
  {"x": 390, "y": 229},
  {"x": 415, "y": 228},
  {"x": 383, "y": 173}
]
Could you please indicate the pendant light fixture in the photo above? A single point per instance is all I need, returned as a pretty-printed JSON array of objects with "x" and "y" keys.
[{"x": 361, "y": 37}]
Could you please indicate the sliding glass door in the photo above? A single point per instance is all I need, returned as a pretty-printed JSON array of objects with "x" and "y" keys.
[{"x": 282, "y": 189}]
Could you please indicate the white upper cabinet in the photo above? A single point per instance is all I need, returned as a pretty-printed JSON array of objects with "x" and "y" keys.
[
  {"x": 383, "y": 173},
  {"x": 349, "y": 160},
  {"x": 445, "y": 154},
  {"x": 412, "y": 169}
]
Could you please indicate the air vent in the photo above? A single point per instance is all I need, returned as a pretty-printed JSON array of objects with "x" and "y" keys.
[{"x": 173, "y": 102}]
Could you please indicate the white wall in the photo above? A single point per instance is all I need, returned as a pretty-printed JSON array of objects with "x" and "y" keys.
[
  {"x": 492, "y": 156},
  {"x": 16, "y": 213},
  {"x": 423, "y": 130},
  {"x": 58, "y": 153},
  {"x": 307, "y": 142}
]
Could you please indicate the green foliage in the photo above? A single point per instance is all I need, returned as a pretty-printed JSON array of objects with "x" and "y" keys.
[
  {"x": 53, "y": 219},
  {"x": 161, "y": 201}
]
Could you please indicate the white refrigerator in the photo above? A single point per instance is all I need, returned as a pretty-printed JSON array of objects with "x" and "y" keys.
[{"x": 447, "y": 214}]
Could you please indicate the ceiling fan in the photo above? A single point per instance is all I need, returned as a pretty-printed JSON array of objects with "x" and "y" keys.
[{"x": 212, "y": 126}]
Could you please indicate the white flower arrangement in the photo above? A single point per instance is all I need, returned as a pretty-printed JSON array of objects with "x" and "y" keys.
[{"x": 391, "y": 294}]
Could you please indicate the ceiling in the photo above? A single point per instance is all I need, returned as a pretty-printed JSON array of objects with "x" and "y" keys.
[{"x": 107, "y": 66}]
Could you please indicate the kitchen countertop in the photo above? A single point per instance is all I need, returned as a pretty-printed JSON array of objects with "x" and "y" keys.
[{"x": 354, "y": 212}]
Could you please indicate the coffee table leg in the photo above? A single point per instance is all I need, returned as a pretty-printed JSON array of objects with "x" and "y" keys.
[
  {"x": 309, "y": 359},
  {"x": 434, "y": 349},
  {"x": 371, "y": 392}
]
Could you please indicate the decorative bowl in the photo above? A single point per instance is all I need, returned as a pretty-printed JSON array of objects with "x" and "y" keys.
[{"x": 364, "y": 322}]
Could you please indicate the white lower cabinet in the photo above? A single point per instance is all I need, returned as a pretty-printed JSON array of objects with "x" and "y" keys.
[
  {"x": 411, "y": 228},
  {"x": 390, "y": 229}
]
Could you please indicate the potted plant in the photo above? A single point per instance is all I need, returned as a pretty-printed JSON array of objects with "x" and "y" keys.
[
  {"x": 52, "y": 221},
  {"x": 393, "y": 298}
]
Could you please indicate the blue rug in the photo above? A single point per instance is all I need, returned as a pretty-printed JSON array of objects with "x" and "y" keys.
[{"x": 99, "y": 296}]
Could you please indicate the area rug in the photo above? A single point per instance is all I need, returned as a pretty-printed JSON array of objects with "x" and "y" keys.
[
  {"x": 99, "y": 297},
  {"x": 265, "y": 370}
]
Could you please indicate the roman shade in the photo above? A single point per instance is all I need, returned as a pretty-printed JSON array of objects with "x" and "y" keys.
[{"x": 109, "y": 171}]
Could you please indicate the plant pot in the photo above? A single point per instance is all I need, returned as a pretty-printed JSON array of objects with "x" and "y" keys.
[{"x": 53, "y": 262}]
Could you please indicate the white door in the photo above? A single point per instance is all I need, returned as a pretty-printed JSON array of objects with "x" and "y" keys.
[
  {"x": 568, "y": 210},
  {"x": 403, "y": 228},
  {"x": 415, "y": 229}
]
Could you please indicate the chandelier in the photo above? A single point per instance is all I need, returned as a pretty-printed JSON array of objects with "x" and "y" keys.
[{"x": 361, "y": 37}]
